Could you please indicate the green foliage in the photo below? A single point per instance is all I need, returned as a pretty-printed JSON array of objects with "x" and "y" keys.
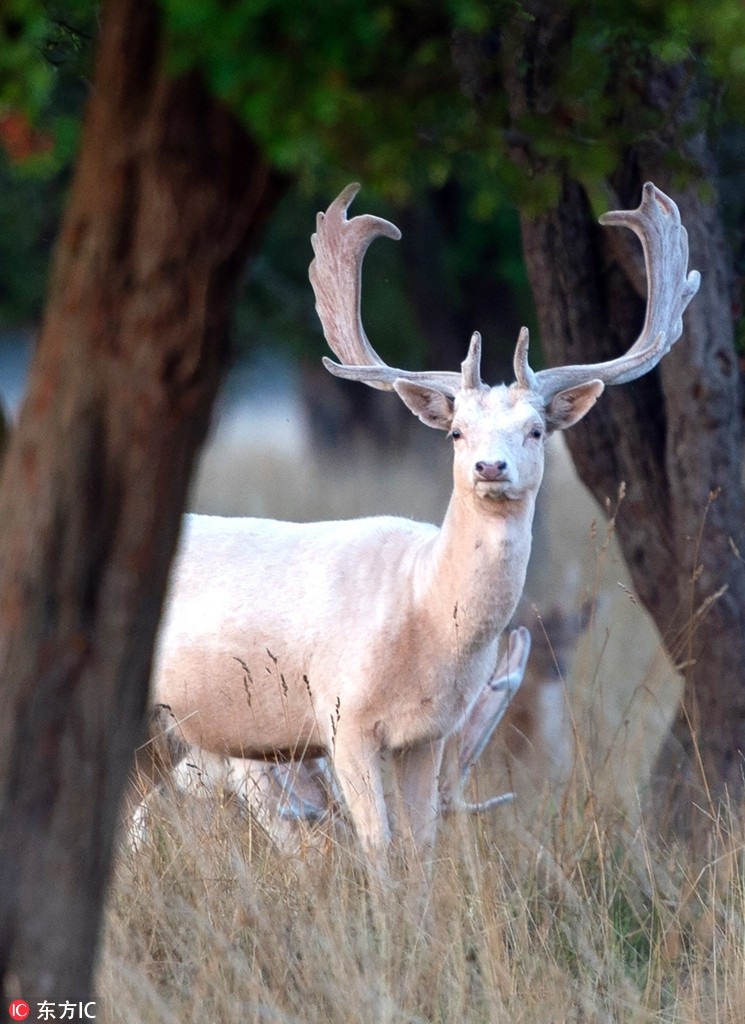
[
  {"x": 364, "y": 85},
  {"x": 397, "y": 93},
  {"x": 46, "y": 52},
  {"x": 25, "y": 81},
  {"x": 593, "y": 105},
  {"x": 400, "y": 94},
  {"x": 405, "y": 95},
  {"x": 715, "y": 34}
]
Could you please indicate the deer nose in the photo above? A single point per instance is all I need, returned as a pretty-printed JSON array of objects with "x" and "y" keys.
[{"x": 490, "y": 470}]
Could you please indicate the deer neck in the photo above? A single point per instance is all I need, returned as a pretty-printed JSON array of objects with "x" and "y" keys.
[{"x": 476, "y": 566}]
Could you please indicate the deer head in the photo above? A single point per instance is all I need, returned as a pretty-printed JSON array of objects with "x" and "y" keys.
[{"x": 499, "y": 431}]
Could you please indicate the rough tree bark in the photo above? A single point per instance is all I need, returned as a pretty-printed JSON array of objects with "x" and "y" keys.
[
  {"x": 674, "y": 437},
  {"x": 169, "y": 195}
]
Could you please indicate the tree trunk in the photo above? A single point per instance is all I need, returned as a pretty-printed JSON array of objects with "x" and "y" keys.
[
  {"x": 673, "y": 437},
  {"x": 169, "y": 195}
]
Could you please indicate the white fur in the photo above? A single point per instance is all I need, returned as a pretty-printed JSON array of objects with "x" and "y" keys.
[
  {"x": 282, "y": 796},
  {"x": 359, "y": 637}
]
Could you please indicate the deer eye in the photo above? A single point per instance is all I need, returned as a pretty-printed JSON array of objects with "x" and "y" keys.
[
  {"x": 536, "y": 433},
  {"x": 456, "y": 434}
]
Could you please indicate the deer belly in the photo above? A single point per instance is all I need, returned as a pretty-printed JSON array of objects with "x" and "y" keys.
[{"x": 223, "y": 708}]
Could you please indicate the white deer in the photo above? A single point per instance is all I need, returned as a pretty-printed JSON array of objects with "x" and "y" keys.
[
  {"x": 361, "y": 638},
  {"x": 285, "y": 795},
  {"x": 534, "y": 751}
]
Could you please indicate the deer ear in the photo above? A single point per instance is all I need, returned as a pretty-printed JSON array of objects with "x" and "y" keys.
[
  {"x": 433, "y": 407},
  {"x": 568, "y": 407}
]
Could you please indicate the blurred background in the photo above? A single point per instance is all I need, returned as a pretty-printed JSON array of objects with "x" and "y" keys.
[{"x": 287, "y": 439}]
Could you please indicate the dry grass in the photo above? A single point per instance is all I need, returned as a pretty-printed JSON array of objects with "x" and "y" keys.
[
  {"x": 558, "y": 912},
  {"x": 580, "y": 923}
]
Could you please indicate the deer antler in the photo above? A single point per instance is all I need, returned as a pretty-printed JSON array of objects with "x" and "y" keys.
[
  {"x": 335, "y": 273},
  {"x": 665, "y": 243}
]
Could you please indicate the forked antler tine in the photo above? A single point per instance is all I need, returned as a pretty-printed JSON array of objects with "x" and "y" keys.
[
  {"x": 664, "y": 240},
  {"x": 669, "y": 290},
  {"x": 493, "y": 701},
  {"x": 335, "y": 274}
]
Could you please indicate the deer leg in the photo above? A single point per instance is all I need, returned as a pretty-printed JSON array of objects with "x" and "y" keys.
[
  {"x": 358, "y": 771},
  {"x": 417, "y": 771}
]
